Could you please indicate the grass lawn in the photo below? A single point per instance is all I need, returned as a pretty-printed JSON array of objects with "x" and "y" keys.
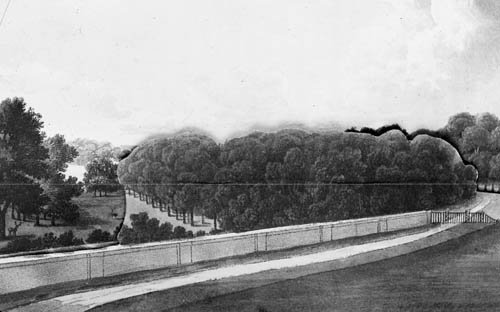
[{"x": 95, "y": 213}]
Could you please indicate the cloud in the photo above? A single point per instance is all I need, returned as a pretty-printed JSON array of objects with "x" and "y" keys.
[{"x": 108, "y": 108}]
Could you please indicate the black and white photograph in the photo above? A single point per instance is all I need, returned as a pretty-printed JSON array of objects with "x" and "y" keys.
[{"x": 249, "y": 156}]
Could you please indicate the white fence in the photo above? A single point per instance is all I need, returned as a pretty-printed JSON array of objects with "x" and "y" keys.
[{"x": 21, "y": 273}]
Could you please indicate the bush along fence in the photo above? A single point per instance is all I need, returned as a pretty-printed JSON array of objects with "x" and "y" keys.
[{"x": 30, "y": 272}]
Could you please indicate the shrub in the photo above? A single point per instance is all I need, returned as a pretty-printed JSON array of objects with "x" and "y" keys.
[
  {"x": 165, "y": 231},
  {"x": 18, "y": 245},
  {"x": 48, "y": 240},
  {"x": 69, "y": 239},
  {"x": 98, "y": 235},
  {"x": 127, "y": 235},
  {"x": 200, "y": 233},
  {"x": 145, "y": 230},
  {"x": 189, "y": 234},
  {"x": 179, "y": 232},
  {"x": 214, "y": 231}
]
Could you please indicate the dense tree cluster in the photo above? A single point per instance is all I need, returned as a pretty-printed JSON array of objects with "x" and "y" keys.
[
  {"x": 291, "y": 177},
  {"x": 478, "y": 139}
]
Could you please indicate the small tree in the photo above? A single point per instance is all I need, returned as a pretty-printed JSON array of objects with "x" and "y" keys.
[{"x": 101, "y": 176}]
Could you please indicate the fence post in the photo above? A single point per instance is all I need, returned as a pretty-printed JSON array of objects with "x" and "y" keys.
[
  {"x": 89, "y": 267},
  {"x": 320, "y": 233},
  {"x": 103, "y": 256},
  {"x": 178, "y": 253},
  {"x": 191, "y": 251}
]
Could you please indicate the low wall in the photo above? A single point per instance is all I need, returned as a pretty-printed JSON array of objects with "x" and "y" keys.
[{"x": 25, "y": 272}]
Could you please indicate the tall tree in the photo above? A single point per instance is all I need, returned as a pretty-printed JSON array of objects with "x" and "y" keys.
[
  {"x": 23, "y": 156},
  {"x": 101, "y": 176},
  {"x": 475, "y": 139},
  {"x": 59, "y": 189}
]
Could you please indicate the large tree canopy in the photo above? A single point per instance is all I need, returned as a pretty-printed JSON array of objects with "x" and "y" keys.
[
  {"x": 478, "y": 139},
  {"x": 291, "y": 176},
  {"x": 22, "y": 157}
]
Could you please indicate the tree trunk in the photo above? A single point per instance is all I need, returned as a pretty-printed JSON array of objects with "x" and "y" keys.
[
  {"x": 24, "y": 217},
  {"x": 95, "y": 193},
  {"x": 100, "y": 193},
  {"x": 37, "y": 220},
  {"x": 18, "y": 214},
  {"x": 184, "y": 216},
  {"x": 3, "y": 212},
  {"x": 53, "y": 219},
  {"x": 12, "y": 215},
  {"x": 168, "y": 209},
  {"x": 215, "y": 221},
  {"x": 192, "y": 216}
]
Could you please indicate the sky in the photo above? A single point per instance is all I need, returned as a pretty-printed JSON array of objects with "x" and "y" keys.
[{"x": 119, "y": 71}]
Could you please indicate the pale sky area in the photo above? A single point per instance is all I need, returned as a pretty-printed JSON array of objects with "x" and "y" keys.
[{"x": 120, "y": 70}]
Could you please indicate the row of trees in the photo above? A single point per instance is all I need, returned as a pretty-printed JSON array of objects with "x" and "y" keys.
[{"x": 291, "y": 177}]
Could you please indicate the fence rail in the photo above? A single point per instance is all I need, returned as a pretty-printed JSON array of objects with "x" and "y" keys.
[{"x": 461, "y": 217}]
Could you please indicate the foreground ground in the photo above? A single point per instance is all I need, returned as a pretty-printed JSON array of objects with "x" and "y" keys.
[
  {"x": 459, "y": 275},
  {"x": 160, "y": 294}
]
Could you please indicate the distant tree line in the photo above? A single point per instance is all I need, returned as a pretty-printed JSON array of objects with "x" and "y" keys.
[
  {"x": 292, "y": 177},
  {"x": 88, "y": 150}
]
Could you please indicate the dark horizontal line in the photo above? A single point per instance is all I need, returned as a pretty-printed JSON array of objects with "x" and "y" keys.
[{"x": 247, "y": 184}]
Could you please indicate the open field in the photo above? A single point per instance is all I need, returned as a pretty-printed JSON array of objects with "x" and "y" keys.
[{"x": 95, "y": 213}]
